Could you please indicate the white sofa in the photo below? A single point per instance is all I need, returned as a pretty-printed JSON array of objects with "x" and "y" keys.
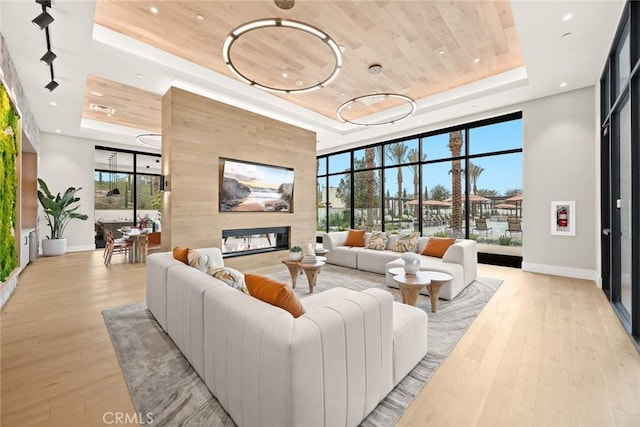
[
  {"x": 460, "y": 260},
  {"x": 330, "y": 366}
]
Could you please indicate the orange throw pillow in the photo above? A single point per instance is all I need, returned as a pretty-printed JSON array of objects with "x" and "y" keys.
[
  {"x": 274, "y": 293},
  {"x": 181, "y": 254},
  {"x": 437, "y": 246},
  {"x": 355, "y": 238}
]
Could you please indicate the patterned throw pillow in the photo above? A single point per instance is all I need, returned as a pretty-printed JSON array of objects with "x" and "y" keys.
[
  {"x": 230, "y": 276},
  {"x": 197, "y": 260},
  {"x": 407, "y": 241},
  {"x": 378, "y": 241}
]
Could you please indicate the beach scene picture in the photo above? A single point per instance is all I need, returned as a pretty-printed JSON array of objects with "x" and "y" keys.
[{"x": 254, "y": 187}]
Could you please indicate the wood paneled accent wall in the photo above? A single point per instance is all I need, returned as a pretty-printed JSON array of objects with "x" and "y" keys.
[{"x": 196, "y": 132}]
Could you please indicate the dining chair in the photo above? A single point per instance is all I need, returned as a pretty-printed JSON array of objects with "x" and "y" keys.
[
  {"x": 143, "y": 247},
  {"x": 112, "y": 246}
]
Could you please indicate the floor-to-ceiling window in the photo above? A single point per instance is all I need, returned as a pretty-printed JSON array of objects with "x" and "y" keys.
[
  {"x": 127, "y": 189},
  {"x": 620, "y": 165},
  {"x": 464, "y": 181}
]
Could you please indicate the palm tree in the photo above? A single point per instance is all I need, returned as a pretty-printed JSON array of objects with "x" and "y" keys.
[
  {"x": 369, "y": 156},
  {"x": 455, "y": 145},
  {"x": 474, "y": 171},
  {"x": 398, "y": 153},
  {"x": 413, "y": 157}
]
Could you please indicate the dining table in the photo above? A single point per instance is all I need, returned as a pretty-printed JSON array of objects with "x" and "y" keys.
[{"x": 136, "y": 236}]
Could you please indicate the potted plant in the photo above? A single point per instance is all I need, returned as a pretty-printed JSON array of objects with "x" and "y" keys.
[
  {"x": 295, "y": 253},
  {"x": 59, "y": 212}
]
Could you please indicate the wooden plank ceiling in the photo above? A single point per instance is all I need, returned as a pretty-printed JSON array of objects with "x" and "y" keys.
[{"x": 424, "y": 47}]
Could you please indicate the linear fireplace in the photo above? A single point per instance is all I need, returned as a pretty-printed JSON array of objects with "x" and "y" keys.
[{"x": 250, "y": 241}]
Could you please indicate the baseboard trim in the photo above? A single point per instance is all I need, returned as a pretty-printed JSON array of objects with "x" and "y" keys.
[
  {"x": 81, "y": 248},
  {"x": 8, "y": 286},
  {"x": 555, "y": 270}
]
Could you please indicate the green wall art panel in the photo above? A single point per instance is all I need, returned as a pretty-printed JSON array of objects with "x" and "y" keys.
[{"x": 8, "y": 184}]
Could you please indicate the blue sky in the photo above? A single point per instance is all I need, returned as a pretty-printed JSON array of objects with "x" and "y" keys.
[{"x": 500, "y": 173}]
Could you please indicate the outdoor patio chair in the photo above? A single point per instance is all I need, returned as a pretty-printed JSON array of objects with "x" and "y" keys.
[
  {"x": 513, "y": 226},
  {"x": 481, "y": 225}
]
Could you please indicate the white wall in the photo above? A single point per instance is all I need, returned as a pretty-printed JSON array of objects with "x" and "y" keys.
[
  {"x": 560, "y": 145},
  {"x": 68, "y": 162}
]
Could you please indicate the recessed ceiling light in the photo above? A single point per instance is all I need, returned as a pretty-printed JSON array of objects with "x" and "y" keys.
[
  {"x": 567, "y": 17},
  {"x": 200, "y": 17},
  {"x": 284, "y": 74},
  {"x": 563, "y": 84},
  {"x": 154, "y": 10},
  {"x": 139, "y": 76},
  {"x": 299, "y": 82},
  {"x": 475, "y": 61},
  {"x": 95, "y": 93},
  {"x": 441, "y": 52},
  {"x": 58, "y": 131},
  {"x": 53, "y": 103},
  {"x": 375, "y": 69}
]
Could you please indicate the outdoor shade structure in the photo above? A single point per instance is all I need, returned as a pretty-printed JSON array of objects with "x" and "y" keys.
[
  {"x": 517, "y": 199},
  {"x": 475, "y": 201},
  {"x": 431, "y": 204},
  {"x": 504, "y": 206}
]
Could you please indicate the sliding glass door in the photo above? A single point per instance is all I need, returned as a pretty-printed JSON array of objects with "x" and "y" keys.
[{"x": 620, "y": 171}]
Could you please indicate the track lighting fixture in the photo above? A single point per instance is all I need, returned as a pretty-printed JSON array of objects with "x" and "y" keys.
[
  {"x": 43, "y": 20},
  {"x": 51, "y": 85},
  {"x": 48, "y": 58}
]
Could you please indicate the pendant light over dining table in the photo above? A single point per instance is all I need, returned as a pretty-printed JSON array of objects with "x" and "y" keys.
[{"x": 113, "y": 175}]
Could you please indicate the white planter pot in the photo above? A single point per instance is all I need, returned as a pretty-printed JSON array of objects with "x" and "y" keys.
[
  {"x": 295, "y": 256},
  {"x": 54, "y": 247}
]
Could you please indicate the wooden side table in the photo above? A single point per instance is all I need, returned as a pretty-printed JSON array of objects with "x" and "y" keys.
[
  {"x": 410, "y": 285},
  {"x": 438, "y": 280},
  {"x": 310, "y": 270},
  {"x": 294, "y": 270}
]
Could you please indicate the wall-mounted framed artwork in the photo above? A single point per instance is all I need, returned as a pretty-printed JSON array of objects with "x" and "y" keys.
[{"x": 563, "y": 218}]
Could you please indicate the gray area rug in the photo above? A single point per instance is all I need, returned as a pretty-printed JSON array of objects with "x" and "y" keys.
[{"x": 162, "y": 382}]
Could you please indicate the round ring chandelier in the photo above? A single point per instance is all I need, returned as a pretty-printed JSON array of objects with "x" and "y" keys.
[
  {"x": 150, "y": 139},
  {"x": 235, "y": 34},
  {"x": 410, "y": 101}
]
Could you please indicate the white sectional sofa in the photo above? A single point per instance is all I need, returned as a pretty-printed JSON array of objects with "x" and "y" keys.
[
  {"x": 460, "y": 260},
  {"x": 330, "y": 366}
]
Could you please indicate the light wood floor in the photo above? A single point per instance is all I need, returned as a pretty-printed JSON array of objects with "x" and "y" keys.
[{"x": 545, "y": 351}]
